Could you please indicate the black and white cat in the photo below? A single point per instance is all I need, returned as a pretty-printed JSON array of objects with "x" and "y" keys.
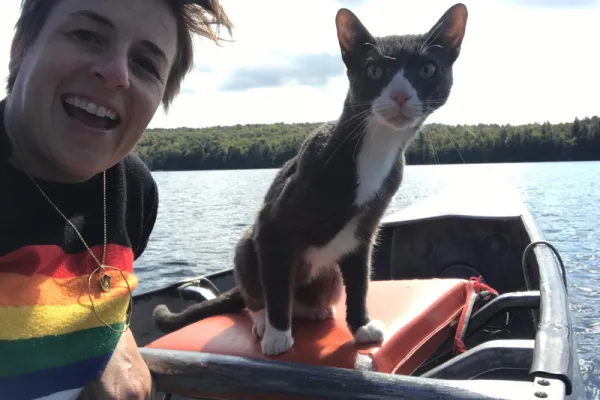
[{"x": 317, "y": 226}]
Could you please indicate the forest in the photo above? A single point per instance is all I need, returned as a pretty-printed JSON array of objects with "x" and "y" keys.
[{"x": 270, "y": 145}]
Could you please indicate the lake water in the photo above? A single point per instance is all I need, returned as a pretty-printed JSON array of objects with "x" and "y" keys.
[{"x": 202, "y": 213}]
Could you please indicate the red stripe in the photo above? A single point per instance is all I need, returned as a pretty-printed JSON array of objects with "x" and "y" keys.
[{"x": 51, "y": 260}]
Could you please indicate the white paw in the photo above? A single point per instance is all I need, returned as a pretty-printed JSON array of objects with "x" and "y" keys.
[
  {"x": 369, "y": 333},
  {"x": 275, "y": 341},
  {"x": 260, "y": 321}
]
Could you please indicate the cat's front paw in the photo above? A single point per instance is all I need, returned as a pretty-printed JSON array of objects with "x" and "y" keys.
[
  {"x": 260, "y": 322},
  {"x": 370, "y": 333},
  {"x": 276, "y": 342}
]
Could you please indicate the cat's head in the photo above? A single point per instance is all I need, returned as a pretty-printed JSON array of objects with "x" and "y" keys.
[{"x": 405, "y": 78}]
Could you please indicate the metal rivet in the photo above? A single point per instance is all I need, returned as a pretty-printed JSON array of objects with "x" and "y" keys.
[
  {"x": 541, "y": 395},
  {"x": 544, "y": 382}
]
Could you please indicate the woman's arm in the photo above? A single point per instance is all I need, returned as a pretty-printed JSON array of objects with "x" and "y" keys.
[{"x": 126, "y": 376}]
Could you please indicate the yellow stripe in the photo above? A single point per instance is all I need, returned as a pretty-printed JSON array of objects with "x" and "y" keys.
[
  {"x": 20, "y": 290},
  {"x": 28, "y": 322}
]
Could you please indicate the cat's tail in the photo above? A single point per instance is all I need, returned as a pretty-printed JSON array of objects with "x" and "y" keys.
[{"x": 226, "y": 302}]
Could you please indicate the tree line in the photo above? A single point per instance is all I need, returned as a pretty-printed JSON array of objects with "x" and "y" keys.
[{"x": 270, "y": 145}]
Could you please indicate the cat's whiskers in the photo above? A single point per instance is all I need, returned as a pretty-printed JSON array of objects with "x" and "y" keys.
[
  {"x": 357, "y": 104},
  {"x": 409, "y": 113},
  {"x": 453, "y": 140},
  {"x": 469, "y": 130},
  {"x": 355, "y": 117},
  {"x": 356, "y": 131},
  {"x": 434, "y": 103},
  {"x": 435, "y": 157},
  {"x": 436, "y": 100},
  {"x": 346, "y": 122},
  {"x": 454, "y": 143},
  {"x": 413, "y": 111},
  {"x": 368, "y": 122},
  {"x": 377, "y": 45}
]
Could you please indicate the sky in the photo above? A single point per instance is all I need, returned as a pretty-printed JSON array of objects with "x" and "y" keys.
[{"x": 522, "y": 61}]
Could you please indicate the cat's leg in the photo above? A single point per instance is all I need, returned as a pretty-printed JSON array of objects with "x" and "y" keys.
[
  {"x": 246, "y": 273},
  {"x": 315, "y": 299},
  {"x": 355, "y": 268},
  {"x": 276, "y": 274}
]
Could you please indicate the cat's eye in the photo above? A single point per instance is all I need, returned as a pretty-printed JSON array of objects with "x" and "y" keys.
[
  {"x": 374, "y": 72},
  {"x": 428, "y": 71}
]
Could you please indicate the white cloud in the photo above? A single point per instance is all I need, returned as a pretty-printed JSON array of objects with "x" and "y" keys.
[{"x": 519, "y": 63}]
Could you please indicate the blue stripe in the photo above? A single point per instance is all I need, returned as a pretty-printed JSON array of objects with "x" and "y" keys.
[{"x": 48, "y": 381}]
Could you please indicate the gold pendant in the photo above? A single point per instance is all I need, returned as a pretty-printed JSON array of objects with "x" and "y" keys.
[{"x": 105, "y": 281}]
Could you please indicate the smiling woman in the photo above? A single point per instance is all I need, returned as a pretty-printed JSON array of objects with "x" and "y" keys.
[{"x": 86, "y": 77}]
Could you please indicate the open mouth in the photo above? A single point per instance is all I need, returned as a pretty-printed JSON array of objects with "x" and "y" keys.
[{"x": 90, "y": 113}]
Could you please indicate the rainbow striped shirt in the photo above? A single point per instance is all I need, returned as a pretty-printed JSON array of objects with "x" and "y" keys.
[
  {"x": 50, "y": 339},
  {"x": 51, "y": 343}
]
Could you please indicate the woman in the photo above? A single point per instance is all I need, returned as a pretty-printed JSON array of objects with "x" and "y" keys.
[{"x": 86, "y": 77}]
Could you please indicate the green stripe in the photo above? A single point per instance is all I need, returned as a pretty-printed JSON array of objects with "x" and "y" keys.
[{"x": 29, "y": 355}]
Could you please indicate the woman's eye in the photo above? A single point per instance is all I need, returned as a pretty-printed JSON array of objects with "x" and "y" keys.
[
  {"x": 427, "y": 71},
  {"x": 86, "y": 36},
  {"x": 147, "y": 66},
  {"x": 374, "y": 72}
]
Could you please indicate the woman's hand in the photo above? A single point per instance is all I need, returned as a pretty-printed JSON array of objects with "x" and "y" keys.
[{"x": 126, "y": 376}]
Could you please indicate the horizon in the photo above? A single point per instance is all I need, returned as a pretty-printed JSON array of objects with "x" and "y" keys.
[
  {"x": 321, "y": 122},
  {"x": 541, "y": 51}
]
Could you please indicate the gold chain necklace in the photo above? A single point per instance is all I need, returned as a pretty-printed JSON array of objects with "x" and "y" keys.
[{"x": 104, "y": 281}]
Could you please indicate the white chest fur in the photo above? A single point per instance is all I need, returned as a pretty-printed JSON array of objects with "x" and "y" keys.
[
  {"x": 379, "y": 151},
  {"x": 343, "y": 243}
]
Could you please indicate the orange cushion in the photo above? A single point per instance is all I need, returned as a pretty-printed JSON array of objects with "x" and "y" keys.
[{"x": 417, "y": 314}]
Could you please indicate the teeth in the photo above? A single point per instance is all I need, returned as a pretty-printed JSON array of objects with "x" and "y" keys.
[{"x": 91, "y": 107}]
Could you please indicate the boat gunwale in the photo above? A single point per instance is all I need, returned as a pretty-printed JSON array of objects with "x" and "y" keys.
[
  {"x": 183, "y": 373},
  {"x": 554, "y": 354}
]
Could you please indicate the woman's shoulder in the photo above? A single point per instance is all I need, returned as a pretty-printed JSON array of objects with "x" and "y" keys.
[
  {"x": 137, "y": 179},
  {"x": 137, "y": 171},
  {"x": 141, "y": 196},
  {"x": 136, "y": 176}
]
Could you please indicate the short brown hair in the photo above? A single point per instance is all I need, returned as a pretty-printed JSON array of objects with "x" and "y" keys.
[{"x": 201, "y": 17}]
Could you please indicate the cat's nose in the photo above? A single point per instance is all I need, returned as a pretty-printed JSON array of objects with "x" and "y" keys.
[{"x": 400, "y": 98}]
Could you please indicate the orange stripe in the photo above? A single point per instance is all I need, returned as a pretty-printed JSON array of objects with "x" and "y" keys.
[
  {"x": 51, "y": 260},
  {"x": 18, "y": 290}
]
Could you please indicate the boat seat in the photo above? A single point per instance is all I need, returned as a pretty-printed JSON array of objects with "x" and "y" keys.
[{"x": 419, "y": 315}]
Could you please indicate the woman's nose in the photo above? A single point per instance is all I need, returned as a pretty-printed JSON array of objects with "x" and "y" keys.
[{"x": 113, "y": 70}]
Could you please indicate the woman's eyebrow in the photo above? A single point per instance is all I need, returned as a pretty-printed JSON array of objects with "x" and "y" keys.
[
  {"x": 102, "y": 20},
  {"x": 97, "y": 18}
]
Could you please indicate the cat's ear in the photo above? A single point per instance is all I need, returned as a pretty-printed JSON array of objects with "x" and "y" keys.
[
  {"x": 449, "y": 31},
  {"x": 352, "y": 34}
]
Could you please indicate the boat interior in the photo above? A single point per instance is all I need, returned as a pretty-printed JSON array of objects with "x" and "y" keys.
[{"x": 474, "y": 304}]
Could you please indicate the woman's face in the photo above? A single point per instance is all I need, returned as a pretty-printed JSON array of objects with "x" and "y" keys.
[{"x": 89, "y": 85}]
